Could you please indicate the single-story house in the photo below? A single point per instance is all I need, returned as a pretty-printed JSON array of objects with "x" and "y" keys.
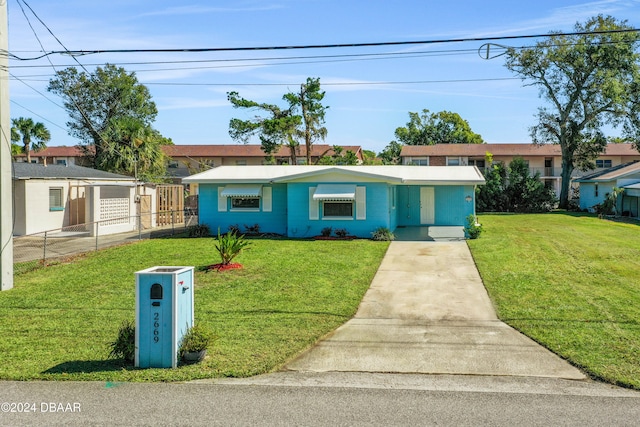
[
  {"x": 56, "y": 196},
  {"x": 300, "y": 201},
  {"x": 595, "y": 187}
]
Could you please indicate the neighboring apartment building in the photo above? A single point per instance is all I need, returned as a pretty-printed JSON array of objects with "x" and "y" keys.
[
  {"x": 185, "y": 160},
  {"x": 189, "y": 159},
  {"x": 545, "y": 159}
]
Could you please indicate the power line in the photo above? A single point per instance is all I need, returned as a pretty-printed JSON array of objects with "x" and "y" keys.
[{"x": 76, "y": 53}]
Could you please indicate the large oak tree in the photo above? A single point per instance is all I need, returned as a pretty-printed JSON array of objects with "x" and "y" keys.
[
  {"x": 590, "y": 80},
  {"x": 111, "y": 113}
]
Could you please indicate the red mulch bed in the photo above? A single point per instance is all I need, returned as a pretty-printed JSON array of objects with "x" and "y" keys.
[
  {"x": 334, "y": 238},
  {"x": 222, "y": 267}
]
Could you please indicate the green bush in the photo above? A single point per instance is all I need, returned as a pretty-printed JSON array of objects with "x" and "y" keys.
[
  {"x": 326, "y": 232},
  {"x": 229, "y": 246},
  {"x": 472, "y": 229},
  {"x": 341, "y": 232},
  {"x": 124, "y": 347},
  {"x": 197, "y": 338},
  {"x": 200, "y": 230},
  {"x": 382, "y": 234}
]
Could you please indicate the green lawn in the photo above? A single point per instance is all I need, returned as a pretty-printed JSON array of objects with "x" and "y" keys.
[
  {"x": 57, "y": 322},
  {"x": 572, "y": 283}
]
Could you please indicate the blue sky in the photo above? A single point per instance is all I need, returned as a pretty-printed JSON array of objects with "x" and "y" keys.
[{"x": 368, "y": 96}]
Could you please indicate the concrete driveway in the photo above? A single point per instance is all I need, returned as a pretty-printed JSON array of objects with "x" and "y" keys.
[{"x": 428, "y": 312}]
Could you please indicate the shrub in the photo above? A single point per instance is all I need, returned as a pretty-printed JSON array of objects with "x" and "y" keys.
[
  {"x": 229, "y": 246},
  {"x": 326, "y": 232},
  {"x": 124, "y": 347},
  {"x": 200, "y": 230},
  {"x": 472, "y": 229},
  {"x": 341, "y": 232},
  {"x": 197, "y": 338},
  {"x": 382, "y": 234},
  {"x": 252, "y": 229},
  {"x": 235, "y": 229}
]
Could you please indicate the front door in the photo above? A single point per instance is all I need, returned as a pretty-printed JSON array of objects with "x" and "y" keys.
[{"x": 427, "y": 206}]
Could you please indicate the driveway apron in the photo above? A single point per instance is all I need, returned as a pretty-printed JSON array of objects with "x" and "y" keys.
[{"x": 427, "y": 311}]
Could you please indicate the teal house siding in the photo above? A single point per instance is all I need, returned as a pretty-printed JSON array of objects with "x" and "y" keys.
[
  {"x": 303, "y": 222},
  {"x": 301, "y": 201},
  {"x": 274, "y": 221},
  {"x": 451, "y": 205}
]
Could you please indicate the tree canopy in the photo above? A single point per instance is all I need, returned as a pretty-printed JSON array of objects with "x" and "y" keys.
[
  {"x": 301, "y": 121},
  {"x": 590, "y": 80},
  {"x": 111, "y": 113},
  {"x": 33, "y": 135},
  {"x": 444, "y": 127},
  {"x": 427, "y": 128}
]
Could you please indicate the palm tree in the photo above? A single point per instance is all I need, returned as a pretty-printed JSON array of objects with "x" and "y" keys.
[{"x": 28, "y": 130}]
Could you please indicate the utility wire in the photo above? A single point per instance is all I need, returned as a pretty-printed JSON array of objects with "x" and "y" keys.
[{"x": 75, "y": 53}]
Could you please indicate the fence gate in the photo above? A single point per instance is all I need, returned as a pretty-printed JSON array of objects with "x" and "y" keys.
[
  {"x": 170, "y": 208},
  {"x": 77, "y": 199},
  {"x": 145, "y": 212}
]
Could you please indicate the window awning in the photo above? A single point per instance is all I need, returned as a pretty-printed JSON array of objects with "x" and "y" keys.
[
  {"x": 242, "y": 190},
  {"x": 335, "y": 192}
]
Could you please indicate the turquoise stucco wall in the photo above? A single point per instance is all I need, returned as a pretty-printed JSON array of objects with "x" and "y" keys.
[
  {"x": 269, "y": 222},
  {"x": 451, "y": 207},
  {"x": 387, "y": 206},
  {"x": 377, "y": 212}
]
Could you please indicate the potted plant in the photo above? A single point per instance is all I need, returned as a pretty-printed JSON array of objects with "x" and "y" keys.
[{"x": 193, "y": 347}]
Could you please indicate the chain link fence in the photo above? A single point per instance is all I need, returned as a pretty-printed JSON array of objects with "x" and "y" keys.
[{"x": 35, "y": 250}]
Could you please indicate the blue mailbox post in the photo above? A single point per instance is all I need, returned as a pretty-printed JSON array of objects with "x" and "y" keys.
[{"x": 164, "y": 311}]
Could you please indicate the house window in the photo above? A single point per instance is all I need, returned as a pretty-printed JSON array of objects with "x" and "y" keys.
[
  {"x": 453, "y": 161},
  {"x": 601, "y": 164},
  {"x": 61, "y": 162},
  {"x": 55, "y": 199},
  {"x": 420, "y": 162},
  {"x": 337, "y": 209},
  {"x": 245, "y": 203},
  {"x": 241, "y": 163},
  {"x": 478, "y": 163},
  {"x": 173, "y": 164}
]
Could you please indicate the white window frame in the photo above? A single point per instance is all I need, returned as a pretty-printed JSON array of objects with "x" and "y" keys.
[
  {"x": 56, "y": 205},
  {"x": 457, "y": 159},
  {"x": 336, "y": 217}
]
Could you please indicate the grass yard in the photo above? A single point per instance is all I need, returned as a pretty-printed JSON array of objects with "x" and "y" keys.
[
  {"x": 57, "y": 322},
  {"x": 570, "y": 282}
]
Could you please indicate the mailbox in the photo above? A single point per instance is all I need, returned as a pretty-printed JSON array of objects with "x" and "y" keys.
[{"x": 164, "y": 312}]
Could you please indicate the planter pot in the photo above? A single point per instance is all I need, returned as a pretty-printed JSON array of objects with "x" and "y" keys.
[{"x": 194, "y": 356}]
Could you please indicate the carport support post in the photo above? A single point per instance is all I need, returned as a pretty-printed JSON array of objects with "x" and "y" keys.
[{"x": 6, "y": 191}]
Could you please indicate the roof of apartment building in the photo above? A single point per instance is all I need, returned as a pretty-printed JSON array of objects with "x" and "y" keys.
[
  {"x": 230, "y": 150},
  {"x": 248, "y": 150},
  {"x": 479, "y": 150}
]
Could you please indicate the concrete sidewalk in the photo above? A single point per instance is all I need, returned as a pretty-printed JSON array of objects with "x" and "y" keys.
[{"x": 428, "y": 312}]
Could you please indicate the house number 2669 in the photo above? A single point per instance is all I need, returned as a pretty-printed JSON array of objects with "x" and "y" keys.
[{"x": 156, "y": 325}]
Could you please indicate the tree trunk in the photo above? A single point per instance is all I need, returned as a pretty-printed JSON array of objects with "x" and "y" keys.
[{"x": 565, "y": 183}]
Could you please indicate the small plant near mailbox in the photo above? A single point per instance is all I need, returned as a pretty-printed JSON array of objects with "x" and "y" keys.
[
  {"x": 124, "y": 347},
  {"x": 382, "y": 234},
  {"x": 195, "y": 342},
  {"x": 472, "y": 230}
]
